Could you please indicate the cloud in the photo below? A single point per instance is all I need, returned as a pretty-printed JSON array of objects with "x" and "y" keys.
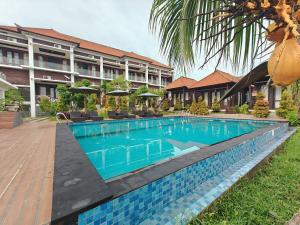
[{"x": 117, "y": 23}]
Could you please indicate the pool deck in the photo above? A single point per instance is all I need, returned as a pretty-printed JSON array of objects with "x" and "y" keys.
[{"x": 26, "y": 173}]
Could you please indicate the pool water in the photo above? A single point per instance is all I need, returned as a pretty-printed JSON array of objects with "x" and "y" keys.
[{"x": 118, "y": 147}]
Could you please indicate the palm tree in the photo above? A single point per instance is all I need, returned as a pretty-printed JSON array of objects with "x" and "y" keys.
[{"x": 231, "y": 31}]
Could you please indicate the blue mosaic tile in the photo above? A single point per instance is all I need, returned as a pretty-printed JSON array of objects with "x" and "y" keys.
[{"x": 192, "y": 188}]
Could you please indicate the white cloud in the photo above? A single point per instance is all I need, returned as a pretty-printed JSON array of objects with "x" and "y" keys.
[{"x": 118, "y": 23}]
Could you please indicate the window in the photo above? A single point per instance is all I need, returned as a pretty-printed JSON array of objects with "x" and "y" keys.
[
  {"x": 52, "y": 93},
  {"x": 25, "y": 59},
  {"x": 186, "y": 96},
  {"x": 93, "y": 71},
  {"x": 64, "y": 65},
  {"x": 41, "y": 61},
  {"x": 9, "y": 58},
  {"x": 43, "y": 91},
  {"x": 17, "y": 58},
  {"x": 1, "y": 55}
]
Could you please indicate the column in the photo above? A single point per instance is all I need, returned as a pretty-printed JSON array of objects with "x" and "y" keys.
[
  {"x": 126, "y": 70},
  {"x": 101, "y": 68},
  {"x": 159, "y": 78},
  {"x": 147, "y": 74},
  {"x": 72, "y": 66},
  {"x": 31, "y": 77}
]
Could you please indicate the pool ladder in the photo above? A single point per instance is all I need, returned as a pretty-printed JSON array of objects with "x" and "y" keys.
[{"x": 61, "y": 114}]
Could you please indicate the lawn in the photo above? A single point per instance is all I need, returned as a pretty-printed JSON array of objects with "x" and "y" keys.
[{"x": 271, "y": 196}]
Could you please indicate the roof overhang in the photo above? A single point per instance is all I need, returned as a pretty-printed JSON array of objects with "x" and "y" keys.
[{"x": 5, "y": 85}]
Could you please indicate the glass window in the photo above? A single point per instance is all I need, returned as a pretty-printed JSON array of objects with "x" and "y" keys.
[
  {"x": 52, "y": 93},
  {"x": 17, "y": 58},
  {"x": 9, "y": 58},
  {"x": 1, "y": 55},
  {"x": 43, "y": 91}
]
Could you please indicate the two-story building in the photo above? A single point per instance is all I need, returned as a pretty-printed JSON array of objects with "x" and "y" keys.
[{"x": 37, "y": 59}]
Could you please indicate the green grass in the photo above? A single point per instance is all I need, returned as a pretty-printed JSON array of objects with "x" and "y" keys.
[{"x": 271, "y": 196}]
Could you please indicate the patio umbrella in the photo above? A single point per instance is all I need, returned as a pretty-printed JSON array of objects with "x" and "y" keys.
[
  {"x": 85, "y": 91},
  {"x": 118, "y": 93},
  {"x": 148, "y": 95}
]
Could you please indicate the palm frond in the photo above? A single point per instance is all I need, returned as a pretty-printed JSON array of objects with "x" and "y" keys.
[{"x": 219, "y": 29}]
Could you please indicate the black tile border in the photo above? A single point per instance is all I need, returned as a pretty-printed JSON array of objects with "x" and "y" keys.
[{"x": 77, "y": 186}]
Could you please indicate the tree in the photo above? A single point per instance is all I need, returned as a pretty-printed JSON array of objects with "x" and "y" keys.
[
  {"x": 286, "y": 105},
  {"x": 229, "y": 31},
  {"x": 119, "y": 83},
  {"x": 91, "y": 102},
  {"x": 261, "y": 107},
  {"x": 194, "y": 107},
  {"x": 216, "y": 107},
  {"x": 45, "y": 104},
  {"x": 166, "y": 105},
  {"x": 133, "y": 98},
  {"x": 202, "y": 107},
  {"x": 178, "y": 105}
]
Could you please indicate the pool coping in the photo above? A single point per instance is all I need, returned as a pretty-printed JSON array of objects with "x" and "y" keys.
[{"x": 71, "y": 181}]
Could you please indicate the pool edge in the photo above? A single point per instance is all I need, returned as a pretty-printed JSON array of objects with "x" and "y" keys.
[{"x": 67, "y": 146}]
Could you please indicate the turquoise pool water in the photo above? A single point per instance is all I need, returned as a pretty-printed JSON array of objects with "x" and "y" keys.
[{"x": 119, "y": 147}]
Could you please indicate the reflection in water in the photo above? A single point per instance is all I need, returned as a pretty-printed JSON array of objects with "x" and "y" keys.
[{"x": 120, "y": 147}]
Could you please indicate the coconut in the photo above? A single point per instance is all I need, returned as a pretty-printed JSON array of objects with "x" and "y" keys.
[{"x": 284, "y": 63}]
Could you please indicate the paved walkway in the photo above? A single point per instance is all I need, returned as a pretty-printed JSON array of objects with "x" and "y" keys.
[{"x": 26, "y": 173}]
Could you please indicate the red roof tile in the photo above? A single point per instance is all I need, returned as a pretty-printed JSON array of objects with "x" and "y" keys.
[
  {"x": 215, "y": 78},
  {"x": 86, "y": 44},
  {"x": 180, "y": 83}
]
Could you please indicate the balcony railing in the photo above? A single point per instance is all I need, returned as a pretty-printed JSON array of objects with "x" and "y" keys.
[
  {"x": 51, "y": 65},
  {"x": 137, "y": 79},
  {"x": 12, "y": 61},
  {"x": 86, "y": 72},
  {"x": 110, "y": 76},
  {"x": 154, "y": 82}
]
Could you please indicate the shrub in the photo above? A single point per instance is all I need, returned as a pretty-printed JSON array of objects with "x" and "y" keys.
[
  {"x": 2, "y": 105},
  {"x": 193, "y": 108},
  {"x": 244, "y": 109},
  {"x": 286, "y": 105},
  {"x": 14, "y": 97},
  {"x": 202, "y": 107},
  {"x": 64, "y": 98},
  {"x": 237, "y": 109},
  {"x": 166, "y": 105},
  {"x": 124, "y": 103},
  {"x": 60, "y": 106},
  {"x": 91, "y": 102},
  {"x": 293, "y": 118},
  {"x": 178, "y": 105},
  {"x": 216, "y": 107},
  {"x": 261, "y": 107},
  {"x": 111, "y": 103},
  {"x": 45, "y": 104}
]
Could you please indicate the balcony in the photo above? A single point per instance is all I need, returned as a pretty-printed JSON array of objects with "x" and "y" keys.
[
  {"x": 110, "y": 76},
  {"x": 89, "y": 73},
  {"x": 154, "y": 82},
  {"x": 51, "y": 65},
  {"x": 10, "y": 61},
  {"x": 137, "y": 79}
]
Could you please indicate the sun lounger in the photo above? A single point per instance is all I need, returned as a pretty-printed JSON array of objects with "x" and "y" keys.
[
  {"x": 126, "y": 115},
  {"x": 114, "y": 115},
  {"x": 93, "y": 115},
  {"x": 77, "y": 117}
]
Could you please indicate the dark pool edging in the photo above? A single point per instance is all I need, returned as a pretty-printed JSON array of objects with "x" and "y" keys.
[{"x": 77, "y": 185}]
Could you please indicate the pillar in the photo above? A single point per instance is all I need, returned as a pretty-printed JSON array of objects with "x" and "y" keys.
[
  {"x": 31, "y": 77},
  {"x": 147, "y": 75},
  {"x": 72, "y": 66}
]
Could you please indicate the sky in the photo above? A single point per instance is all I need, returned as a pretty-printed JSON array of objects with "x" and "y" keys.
[{"x": 120, "y": 24}]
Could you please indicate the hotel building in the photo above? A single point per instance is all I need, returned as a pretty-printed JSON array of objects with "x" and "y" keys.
[{"x": 36, "y": 59}]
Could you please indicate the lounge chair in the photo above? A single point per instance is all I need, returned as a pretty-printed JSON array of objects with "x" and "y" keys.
[
  {"x": 145, "y": 114},
  {"x": 114, "y": 115},
  {"x": 93, "y": 115},
  {"x": 126, "y": 115},
  {"x": 158, "y": 114},
  {"x": 77, "y": 117}
]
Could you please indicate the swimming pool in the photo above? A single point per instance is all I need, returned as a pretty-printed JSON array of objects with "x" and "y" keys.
[{"x": 119, "y": 147}]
